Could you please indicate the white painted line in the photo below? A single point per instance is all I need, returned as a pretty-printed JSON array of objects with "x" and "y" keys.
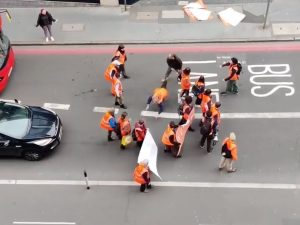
[
  {"x": 56, "y": 106},
  {"x": 104, "y": 109},
  {"x": 199, "y": 62},
  {"x": 274, "y": 115},
  {"x": 10, "y": 100},
  {"x": 45, "y": 223},
  {"x": 156, "y": 183},
  {"x": 195, "y": 75}
]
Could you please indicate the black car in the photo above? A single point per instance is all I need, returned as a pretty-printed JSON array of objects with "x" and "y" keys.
[{"x": 28, "y": 131}]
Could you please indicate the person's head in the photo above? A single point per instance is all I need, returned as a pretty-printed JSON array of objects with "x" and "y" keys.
[
  {"x": 208, "y": 114},
  {"x": 218, "y": 104},
  {"x": 141, "y": 122},
  {"x": 201, "y": 79},
  {"x": 172, "y": 124},
  {"x": 232, "y": 136},
  {"x": 164, "y": 84},
  {"x": 171, "y": 56},
  {"x": 123, "y": 115},
  {"x": 234, "y": 60},
  {"x": 188, "y": 100},
  {"x": 121, "y": 48},
  {"x": 187, "y": 70},
  {"x": 207, "y": 92},
  {"x": 43, "y": 11},
  {"x": 111, "y": 111}
]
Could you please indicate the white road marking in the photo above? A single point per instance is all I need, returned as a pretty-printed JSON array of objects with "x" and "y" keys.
[
  {"x": 45, "y": 223},
  {"x": 156, "y": 183},
  {"x": 56, "y": 106},
  {"x": 263, "y": 115},
  {"x": 104, "y": 109},
  {"x": 196, "y": 75},
  {"x": 199, "y": 62},
  {"x": 10, "y": 100}
]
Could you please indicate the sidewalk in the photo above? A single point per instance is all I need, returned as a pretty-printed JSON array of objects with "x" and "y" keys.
[{"x": 154, "y": 24}]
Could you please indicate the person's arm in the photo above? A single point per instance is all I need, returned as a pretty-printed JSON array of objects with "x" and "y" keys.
[
  {"x": 112, "y": 123},
  {"x": 226, "y": 64},
  {"x": 234, "y": 154},
  {"x": 50, "y": 17},
  {"x": 38, "y": 21},
  {"x": 233, "y": 71}
]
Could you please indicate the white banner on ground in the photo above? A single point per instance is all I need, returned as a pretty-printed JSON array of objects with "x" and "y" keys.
[{"x": 149, "y": 151}]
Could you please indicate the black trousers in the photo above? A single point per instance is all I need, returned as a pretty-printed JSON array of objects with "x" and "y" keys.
[
  {"x": 209, "y": 139},
  {"x": 144, "y": 186}
]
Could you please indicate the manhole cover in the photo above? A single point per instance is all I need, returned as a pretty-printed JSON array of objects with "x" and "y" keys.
[
  {"x": 172, "y": 14},
  {"x": 73, "y": 27},
  {"x": 147, "y": 16},
  {"x": 286, "y": 28}
]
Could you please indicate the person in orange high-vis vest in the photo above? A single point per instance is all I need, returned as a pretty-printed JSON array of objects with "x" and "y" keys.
[
  {"x": 201, "y": 87},
  {"x": 233, "y": 71},
  {"x": 120, "y": 55},
  {"x": 124, "y": 127},
  {"x": 229, "y": 153},
  {"x": 141, "y": 175},
  {"x": 158, "y": 97},
  {"x": 109, "y": 123},
  {"x": 140, "y": 131},
  {"x": 169, "y": 137},
  {"x": 216, "y": 115},
  {"x": 117, "y": 91},
  {"x": 185, "y": 82},
  {"x": 206, "y": 101},
  {"x": 111, "y": 71}
]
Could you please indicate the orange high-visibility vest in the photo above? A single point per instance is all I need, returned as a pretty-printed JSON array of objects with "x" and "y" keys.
[
  {"x": 166, "y": 136},
  {"x": 215, "y": 112},
  {"x": 232, "y": 147},
  {"x": 235, "y": 67},
  {"x": 205, "y": 103},
  {"x": 185, "y": 82},
  {"x": 122, "y": 57},
  {"x": 116, "y": 88},
  {"x": 138, "y": 174},
  {"x": 108, "y": 72},
  {"x": 104, "y": 123},
  {"x": 159, "y": 95},
  {"x": 124, "y": 126}
]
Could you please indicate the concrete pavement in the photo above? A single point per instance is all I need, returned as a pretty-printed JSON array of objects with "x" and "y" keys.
[{"x": 143, "y": 23}]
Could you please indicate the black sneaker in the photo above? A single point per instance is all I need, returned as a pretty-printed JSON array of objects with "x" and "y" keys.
[
  {"x": 191, "y": 129},
  {"x": 117, "y": 103},
  {"x": 109, "y": 139},
  {"x": 122, "y": 147},
  {"x": 126, "y": 77},
  {"x": 123, "y": 106}
]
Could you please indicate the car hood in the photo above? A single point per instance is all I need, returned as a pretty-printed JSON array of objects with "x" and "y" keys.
[{"x": 43, "y": 123}]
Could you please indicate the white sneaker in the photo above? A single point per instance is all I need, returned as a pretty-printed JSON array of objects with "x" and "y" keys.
[
  {"x": 47, "y": 39},
  {"x": 52, "y": 39}
]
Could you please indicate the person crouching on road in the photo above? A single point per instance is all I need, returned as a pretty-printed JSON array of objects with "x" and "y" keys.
[
  {"x": 117, "y": 91},
  {"x": 185, "y": 82},
  {"x": 169, "y": 137},
  {"x": 140, "y": 131},
  {"x": 141, "y": 175},
  {"x": 159, "y": 96},
  {"x": 229, "y": 153},
  {"x": 120, "y": 55},
  {"x": 175, "y": 63},
  {"x": 109, "y": 123},
  {"x": 125, "y": 128}
]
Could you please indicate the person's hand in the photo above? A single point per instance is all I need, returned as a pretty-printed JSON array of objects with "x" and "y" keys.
[{"x": 55, "y": 21}]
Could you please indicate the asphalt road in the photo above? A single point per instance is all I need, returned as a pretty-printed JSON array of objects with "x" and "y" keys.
[{"x": 268, "y": 148}]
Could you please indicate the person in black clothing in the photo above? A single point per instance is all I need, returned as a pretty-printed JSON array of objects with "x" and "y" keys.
[
  {"x": 208, "y": 130},
  {"x": 45, "y": 20},
  {"x": 175, "y": 63}
]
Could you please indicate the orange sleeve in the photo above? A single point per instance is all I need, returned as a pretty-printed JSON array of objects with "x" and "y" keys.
[{"x": 234, "y": 154}]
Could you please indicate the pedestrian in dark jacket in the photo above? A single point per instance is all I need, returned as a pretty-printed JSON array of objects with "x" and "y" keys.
[
  {"x": 207, "y": 130},
  {"x": 175, "y": 63},
  {"x": 45, "y": 20}
]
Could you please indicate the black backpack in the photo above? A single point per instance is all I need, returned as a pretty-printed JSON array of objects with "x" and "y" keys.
[
  {"x": 196, "y": 90},
  {"x": 240, "y": 68},
  {"x": 225, "y": 152},
  {"x": 205, "y": 128}
]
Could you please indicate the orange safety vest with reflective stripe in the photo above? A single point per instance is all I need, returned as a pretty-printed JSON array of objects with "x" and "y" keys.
[
  {"x": 116, "y": 87},
  {"x": 166, "y": 136},
  {"x": 159, "y": 95},
  {"x": 138, "y": 174},
  {"x": 121, "y": 57},
  {"x": 235, "y": 67},
  {"x": 205, "y": 103},
  {"x": 215, "y": 112},
  {"x": 200, "y": 84},
  {"x": 124, "y": 126},
  {"x": 104, "y": 123},
  {"x": 108, "y": 72},
  {"x": 185, "y": 82},
  {"x": 232, "y": 147}
]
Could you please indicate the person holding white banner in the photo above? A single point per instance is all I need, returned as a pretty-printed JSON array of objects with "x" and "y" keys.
[
  {"x": 141, "y": 175},
  {"x": 169, "y": 137}
]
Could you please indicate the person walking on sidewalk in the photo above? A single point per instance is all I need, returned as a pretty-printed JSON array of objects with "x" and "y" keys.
[
  {"x": 174, "y": 63},
  {"x": 141, "y": 175},
  {"x": 109, "y": 123},
  {"x": 234, "y": 69},
  {"x": 117, "y": 91},
  {"x": 45, "y": 20},
  {"x": 120, "y": 55},
  {"x": 159, "y": 97},
  {"x": 229, "y": 153}
]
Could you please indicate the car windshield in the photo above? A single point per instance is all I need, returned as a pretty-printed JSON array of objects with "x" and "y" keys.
[{"x": 14, "y": 120}]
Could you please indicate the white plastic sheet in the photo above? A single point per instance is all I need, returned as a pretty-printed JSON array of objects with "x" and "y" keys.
[{"x": 230, "y": 16}]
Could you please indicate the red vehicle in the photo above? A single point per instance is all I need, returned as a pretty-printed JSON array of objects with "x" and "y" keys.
[{"x": 7, "y": 57}]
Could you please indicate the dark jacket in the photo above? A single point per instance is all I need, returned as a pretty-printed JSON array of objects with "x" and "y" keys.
[
  {"x": 175, "y": 63},
  {"x": 44, "y": 20}
]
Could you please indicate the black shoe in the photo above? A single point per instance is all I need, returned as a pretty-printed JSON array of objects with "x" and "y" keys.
[
  {"x": 117, "y": 103},
  {"x": 191, "y": 129},
  {"x": 122, "y": 147},
  {"x": 123, "y": 106},
  {"x": 232, "y": 171},
  {"x": 167, "y": 150},
  {"x": 149, "y": 186},
  {"x": 109, "y": 139},
  {"x": 126, "y": 77}
]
